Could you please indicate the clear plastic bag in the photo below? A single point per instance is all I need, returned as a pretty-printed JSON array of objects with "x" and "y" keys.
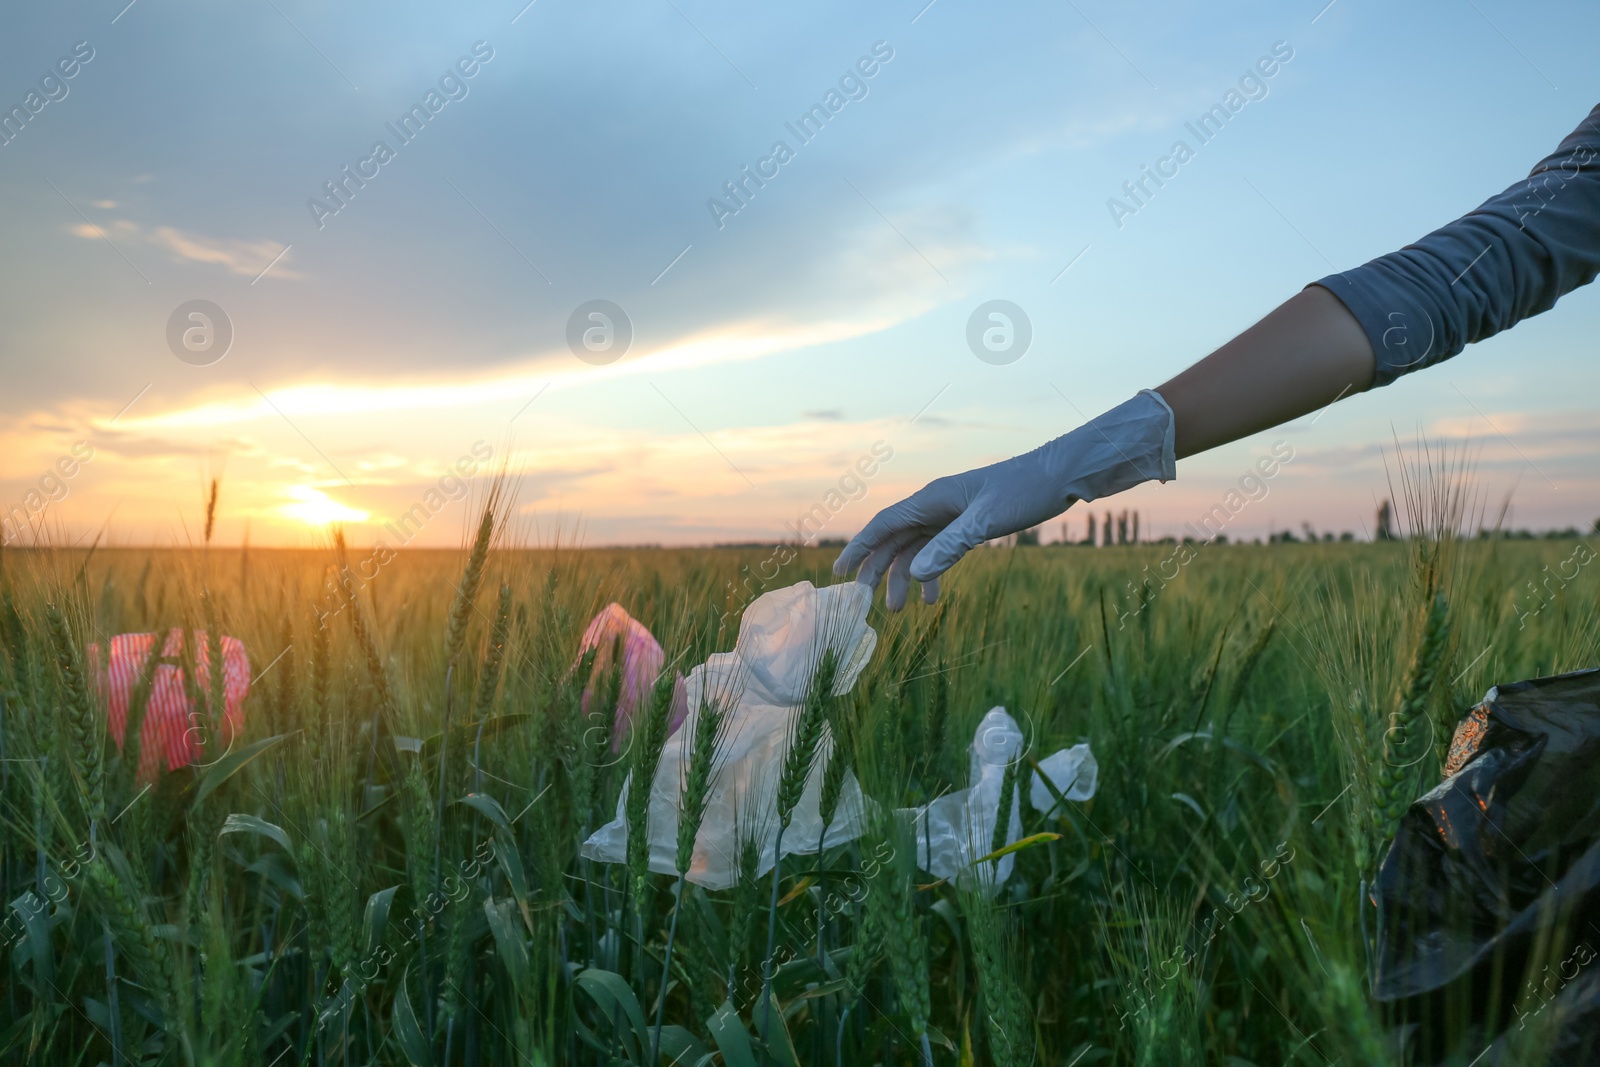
[
  {"x": 1074, "y": 772},
  {"x": 956, "y": 830}
]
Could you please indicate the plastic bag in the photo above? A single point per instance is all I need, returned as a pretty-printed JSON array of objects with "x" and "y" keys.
[
  {"x": 1505, "y": 852},
  {"x": 173, "y": 730},
  {"x": 642, "y": 658},
  {"x": 956, "y": 830},
  {"x": 1073, "y": 771},
  {"x": 762, "y": 683}
]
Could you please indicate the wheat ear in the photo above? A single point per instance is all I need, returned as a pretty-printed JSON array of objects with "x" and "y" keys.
[
  {"x": 1396, "y": 777},
  {"x": 83, "y": 725}
]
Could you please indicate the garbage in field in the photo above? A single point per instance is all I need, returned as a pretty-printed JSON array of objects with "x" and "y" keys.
[
  {"x": 956, "y": 830},
  {"x": 1073, "y": 771},
  {"x": 174, "y": 729},
  {"x": 763, "y": 683},
  {"x": 642, "y": 658},
  {"x": 1501, "y": 856}
]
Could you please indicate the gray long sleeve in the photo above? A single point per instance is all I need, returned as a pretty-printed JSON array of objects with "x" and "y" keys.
[{"x": 1513, "y": 257}]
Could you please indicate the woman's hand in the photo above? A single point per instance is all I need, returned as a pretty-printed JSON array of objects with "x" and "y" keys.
[{"x": 923, "y": 535}]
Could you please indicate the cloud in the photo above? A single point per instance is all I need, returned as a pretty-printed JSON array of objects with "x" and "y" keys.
[
  {"x": 246, "y": 258},
  {"x": 825, "y": 415},
  {"x": 734, "y": 342},
  {"x": 140, "y": 446}
]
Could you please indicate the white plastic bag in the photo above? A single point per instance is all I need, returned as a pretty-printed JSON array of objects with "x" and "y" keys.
[
  {"x": 1074, "y": 772},
  {"x": 762, "y": 683},
  {"x": 957, "y": 829}
]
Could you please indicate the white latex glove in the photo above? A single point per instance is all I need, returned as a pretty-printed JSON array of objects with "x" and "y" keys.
[{"x": 923, "y": 535}]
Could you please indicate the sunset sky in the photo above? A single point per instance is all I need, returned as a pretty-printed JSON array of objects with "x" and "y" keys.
[{"x": 428, "y": 316}]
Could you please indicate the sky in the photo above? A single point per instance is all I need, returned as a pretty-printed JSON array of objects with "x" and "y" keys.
[{"x": 363, "y": 347}]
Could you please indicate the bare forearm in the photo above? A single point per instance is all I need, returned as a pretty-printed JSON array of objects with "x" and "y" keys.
[{"x": 1307, "y": 353}]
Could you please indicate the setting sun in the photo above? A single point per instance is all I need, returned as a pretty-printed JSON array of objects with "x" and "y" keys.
[{"x": 316, "y": 508}]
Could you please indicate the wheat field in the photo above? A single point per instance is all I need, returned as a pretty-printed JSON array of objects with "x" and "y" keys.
[{"x": 384, "y": 867}]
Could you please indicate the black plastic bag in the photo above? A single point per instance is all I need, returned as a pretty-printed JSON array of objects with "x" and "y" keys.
[{"x": 1489, "y": 898}]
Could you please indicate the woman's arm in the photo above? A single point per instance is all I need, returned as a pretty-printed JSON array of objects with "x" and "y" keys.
[
  {"x": 1510, "y": 258},
  {"x": 1306, "y": 354}
]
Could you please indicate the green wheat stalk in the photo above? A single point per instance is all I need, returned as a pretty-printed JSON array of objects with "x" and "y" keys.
[
  {"x": 146, "y": 955},
  {"x": 994, "y": 954},
  {"x": 694, "y": 798},
  {"x": 216, "y": 689},
  {"x": 461, "y": 610},
  {"x": 138, "y": 706},
  {"x": 805, "y": 740},
  {"x": 321, "y": 694},
  {"x": 489, "y": 679},
  {"x": 1002, "y": 814},
  {"x": 82, "y": 719},
  {"x": 286, "y": 679},
  {"x": 746, "y": 902},
  {"x": 494, "y": 657},
  {"x": 833, "y": 777},
  {"x": 1396, "y": 780},
  {"x": 467, "y": 592},
  {"x": 383, "y": 708},
  {"x": 649, "y": 740},
  {"x": 905, "y": 945}
]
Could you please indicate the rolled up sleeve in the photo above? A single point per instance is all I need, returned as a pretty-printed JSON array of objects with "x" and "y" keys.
[{"x": 1512, "y": 258}]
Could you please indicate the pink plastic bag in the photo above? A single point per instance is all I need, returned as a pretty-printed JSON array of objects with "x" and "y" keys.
[
  {"x": 174, "y": 729},
  {"x": 642, "y": 659}
]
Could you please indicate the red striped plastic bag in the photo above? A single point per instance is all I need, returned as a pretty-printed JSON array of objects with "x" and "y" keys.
[{"x": 175, "y": 729}]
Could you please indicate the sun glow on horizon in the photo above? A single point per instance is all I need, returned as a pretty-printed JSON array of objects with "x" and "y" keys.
[{"x": 315, "y": 508}]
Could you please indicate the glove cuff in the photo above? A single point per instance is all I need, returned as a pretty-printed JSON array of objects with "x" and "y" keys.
[{"x": 1128, "y": 445}]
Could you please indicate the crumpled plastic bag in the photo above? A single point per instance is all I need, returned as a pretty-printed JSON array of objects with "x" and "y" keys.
[
  {"x": 174, "y": 730},
  {"x": 1073, "y": 771},
  {"x": 1503, "y": 853},
  {"x": 763, "y": 683},
  {"x": 956, "y": 830},
  {"x": 642, "y": 658}
]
